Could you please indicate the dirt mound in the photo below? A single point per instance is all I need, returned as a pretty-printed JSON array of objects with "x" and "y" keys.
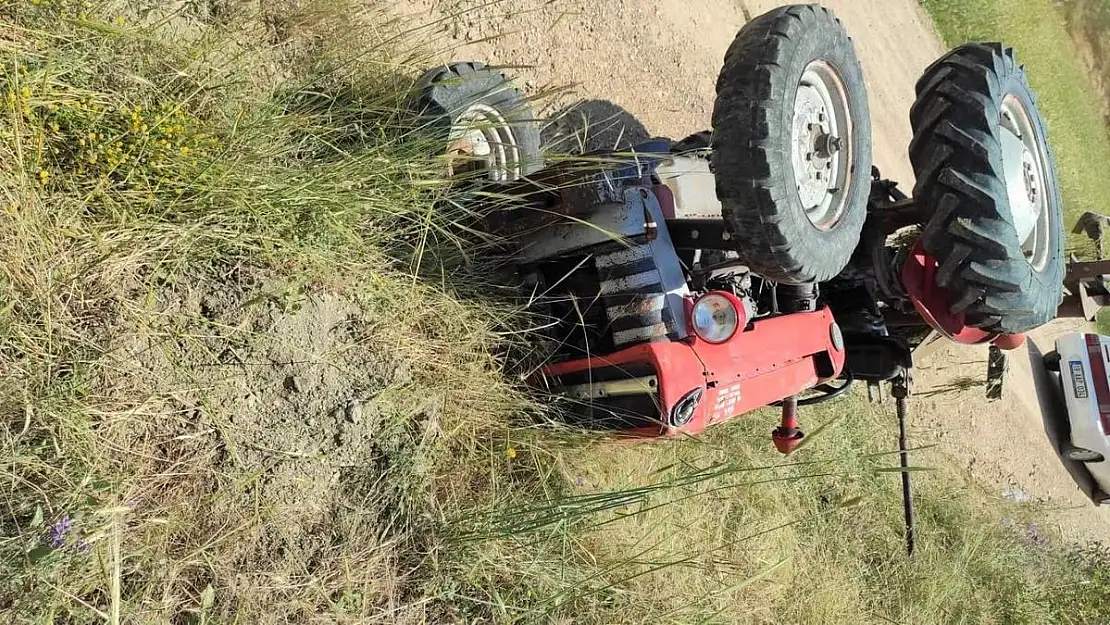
[{"x": 298, "y": 394}]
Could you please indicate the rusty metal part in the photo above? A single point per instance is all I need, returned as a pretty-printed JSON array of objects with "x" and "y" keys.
[{"x": 615, "y": 388}]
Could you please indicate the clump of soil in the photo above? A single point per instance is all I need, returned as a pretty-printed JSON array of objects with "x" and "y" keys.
[{"x": 282, "y": 415}]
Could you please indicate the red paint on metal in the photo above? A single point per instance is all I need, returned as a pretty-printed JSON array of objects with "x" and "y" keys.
[
  {"x": 931, "y": 301},
  {"x": 786, "y": 437},
  {"x": 1009, "y": 342},
  {"x": 1100, "y": 383},
  {"x": 665, "y": 197},
  {"x": 771, "y": 360},
  {"x": 786, "y": 441}
]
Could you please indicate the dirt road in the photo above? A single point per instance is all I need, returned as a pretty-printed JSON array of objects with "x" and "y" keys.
[
  {"x": 659, "y": 60},
  {"x": 1004, "y": 445}
]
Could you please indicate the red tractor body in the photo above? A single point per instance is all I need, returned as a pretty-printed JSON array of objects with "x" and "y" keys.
[{"x": 688, "y": 385}]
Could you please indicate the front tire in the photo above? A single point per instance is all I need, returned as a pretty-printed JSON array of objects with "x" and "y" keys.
[
  {"x": 698, "y": 142},
  {"x": 986, "y": 175},
  {"x": 792, "y": 144}
]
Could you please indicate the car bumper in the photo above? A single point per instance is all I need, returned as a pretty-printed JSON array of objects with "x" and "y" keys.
[{"x": 1086, "y": 390}]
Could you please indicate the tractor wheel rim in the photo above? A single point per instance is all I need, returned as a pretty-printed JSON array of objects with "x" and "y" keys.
[
  {"x": 482, "y": 142},
  {"x": 822, "y": 144},
  {"x": 1027, "y": 178}
]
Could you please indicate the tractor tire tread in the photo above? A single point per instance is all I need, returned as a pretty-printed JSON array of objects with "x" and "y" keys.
[
  {"x": 759, "y": 204},
  {"x": 956, "y": 154},
  {"x": 444, "y": 92}
]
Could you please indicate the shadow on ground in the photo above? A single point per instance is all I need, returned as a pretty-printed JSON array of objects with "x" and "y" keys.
[{"x": 590, "y": 126}]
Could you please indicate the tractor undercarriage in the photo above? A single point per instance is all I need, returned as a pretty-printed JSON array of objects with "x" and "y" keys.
[{"x": 683, "y": 284}]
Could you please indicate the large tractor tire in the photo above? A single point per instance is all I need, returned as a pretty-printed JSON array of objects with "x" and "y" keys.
[
  {"x": 792, "y": 144},
  {"x": 986, "y": 175},
  {"x": 487, "y": 126},
  {"x": 593, "y": 126},
  {"x": 696, "y": 143}
]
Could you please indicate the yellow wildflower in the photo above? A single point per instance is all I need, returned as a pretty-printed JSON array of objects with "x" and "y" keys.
[{"x": 510, "y": 453}]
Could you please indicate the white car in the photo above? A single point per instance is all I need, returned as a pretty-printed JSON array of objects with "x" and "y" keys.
[{"x": 1083, "y": 361}]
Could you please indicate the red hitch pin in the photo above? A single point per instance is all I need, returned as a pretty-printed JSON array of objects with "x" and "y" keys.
[{"x": 787, "y": 436}]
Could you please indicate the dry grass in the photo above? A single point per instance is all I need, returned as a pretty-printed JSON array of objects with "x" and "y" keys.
[
  {"x": 257, "y": 373},
  {"x": 182, "y": 237}
]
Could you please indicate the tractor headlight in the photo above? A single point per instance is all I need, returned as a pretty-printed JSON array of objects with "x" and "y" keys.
[{"x": 716, "y": 317}]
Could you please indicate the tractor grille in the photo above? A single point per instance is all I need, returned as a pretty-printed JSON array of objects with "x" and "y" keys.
[
  {"x": 634, "y": 297},
  {"x": 609, "y": 301}
]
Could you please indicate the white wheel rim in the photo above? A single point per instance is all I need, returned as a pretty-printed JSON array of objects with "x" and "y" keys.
[
  {"x": 482, "y": 141},
  {"x": 1027, "y": 178},
  {"x": 821, "y": 144}
]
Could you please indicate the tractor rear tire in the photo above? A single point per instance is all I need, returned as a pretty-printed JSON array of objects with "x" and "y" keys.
[
  {"x": 697, "y": 142},
  {"x": 464, "y": 99},
  {"x": 792, "y": 144},
  {"x": 969, "y": 104}
]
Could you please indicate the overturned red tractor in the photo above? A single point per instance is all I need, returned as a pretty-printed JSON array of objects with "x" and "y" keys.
[{"x": 766, "y": 258}]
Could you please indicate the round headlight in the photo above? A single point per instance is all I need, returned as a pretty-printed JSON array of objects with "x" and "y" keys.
[{"x": 715, "y": 318}]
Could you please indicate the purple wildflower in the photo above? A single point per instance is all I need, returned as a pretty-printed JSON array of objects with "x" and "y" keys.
[
  {"x": 60, "y": 530},
  {"x": 581, "y": 481}
]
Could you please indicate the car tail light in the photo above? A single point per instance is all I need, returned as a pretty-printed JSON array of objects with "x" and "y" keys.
[{"x": 716, "y": 316}]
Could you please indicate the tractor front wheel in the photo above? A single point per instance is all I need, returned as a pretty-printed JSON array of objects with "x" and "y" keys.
[
  {"x": 792, "y": 144},
  {"x": 487, "y": 127}
]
